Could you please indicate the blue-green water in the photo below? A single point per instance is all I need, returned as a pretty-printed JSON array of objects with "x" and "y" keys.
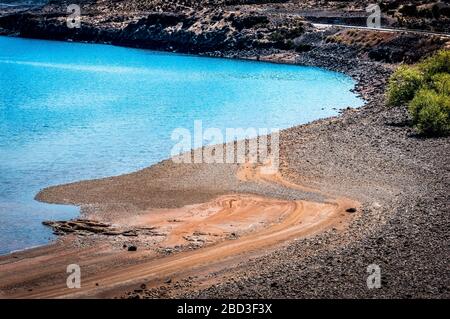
[{"x": 71, "y": 111}]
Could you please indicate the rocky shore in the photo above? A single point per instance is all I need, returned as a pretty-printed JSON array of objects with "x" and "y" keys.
[
  {"x": 369, "y": 155},
  {"x": 402, "y": 179}
]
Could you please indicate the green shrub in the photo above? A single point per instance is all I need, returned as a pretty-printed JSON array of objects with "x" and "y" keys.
[
  {"x": 431, "y": 112},
  {"x": 276, "y": 36},
  {"x": 403, "y": 85},
  {"x": 441, "y": 83},
  {"x": 438, "y": 63},
  {"x": 426, "y": 89},
  {"x": 295, "y": 32}
]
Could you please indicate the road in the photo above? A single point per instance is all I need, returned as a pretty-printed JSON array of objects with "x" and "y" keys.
[{"x": 383, "y": 29}]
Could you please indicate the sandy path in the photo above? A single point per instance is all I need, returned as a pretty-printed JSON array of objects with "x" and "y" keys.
[{"x": 109, "y": 273}]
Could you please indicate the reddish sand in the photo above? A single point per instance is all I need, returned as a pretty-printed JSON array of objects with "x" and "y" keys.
[{"x": 225, "y": 231}]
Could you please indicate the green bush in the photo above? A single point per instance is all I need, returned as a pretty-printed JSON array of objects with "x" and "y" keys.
[
  {"x": 425, "y": 88},
  {"x": 430, "y": 112},
  {"x": 403, "y": 85},
  {"x": 438, "y": 63},
  {"x": 441, "y": 83}
]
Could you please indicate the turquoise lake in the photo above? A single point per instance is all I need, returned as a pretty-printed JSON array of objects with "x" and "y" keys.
[{"x": 71, "y": 111}]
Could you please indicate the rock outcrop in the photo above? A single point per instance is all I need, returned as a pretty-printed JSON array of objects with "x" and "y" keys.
[{"x": 84, "y": 227}]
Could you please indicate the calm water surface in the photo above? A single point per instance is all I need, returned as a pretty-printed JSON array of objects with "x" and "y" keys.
[{"x": 72, "y": 111}]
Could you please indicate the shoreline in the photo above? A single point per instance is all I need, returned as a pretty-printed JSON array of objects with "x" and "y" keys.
[
  {"x": 314, "y": 217},
  {"x": 162, "y": 52},
  {"x": 85, "y": 212},
  {"x": 270, "y": 59},
  {"x": 365, "y": 154},
  {"x": 351, "y": 71}
]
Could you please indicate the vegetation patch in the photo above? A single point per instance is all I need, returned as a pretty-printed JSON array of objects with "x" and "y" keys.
[{"x": 425, "y": 89}]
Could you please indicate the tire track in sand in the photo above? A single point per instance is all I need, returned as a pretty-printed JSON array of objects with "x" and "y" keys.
[{"x": 300, "y": 219}]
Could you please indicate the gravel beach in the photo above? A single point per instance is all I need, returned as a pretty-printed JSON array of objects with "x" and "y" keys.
[{"x": 369, "y": 155}]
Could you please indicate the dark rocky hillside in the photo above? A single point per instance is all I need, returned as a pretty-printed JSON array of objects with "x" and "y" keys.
[
  {"x": 215, "y": 28},
  {"x": 428, "y": 15}
]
